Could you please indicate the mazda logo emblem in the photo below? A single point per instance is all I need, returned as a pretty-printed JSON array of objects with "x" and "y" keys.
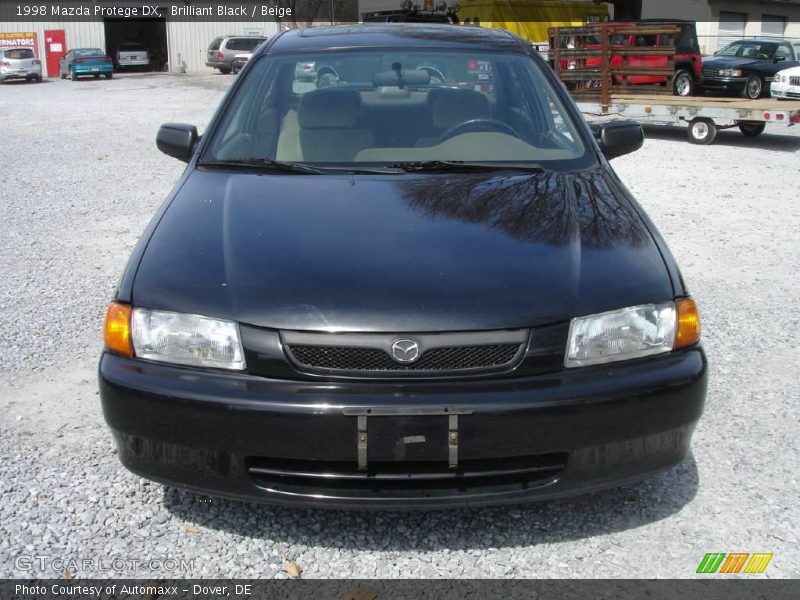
[{"x": 405, "y": 351}]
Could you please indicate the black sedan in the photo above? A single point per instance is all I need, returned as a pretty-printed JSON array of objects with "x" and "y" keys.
[
  {"x": 746, "y": 67},
  {"x": 399, "y": 293}
]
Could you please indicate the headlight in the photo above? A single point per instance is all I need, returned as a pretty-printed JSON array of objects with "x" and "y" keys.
[
  {"x": 730, "y": 72},
  {"x": 186, "y": 339},
  {"x": 632, "y": 333}
]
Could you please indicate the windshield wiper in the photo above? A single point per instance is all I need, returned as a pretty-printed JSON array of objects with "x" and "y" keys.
[
  {"x": 460, "y": 165},
  {"x": 267, "y": 164}
]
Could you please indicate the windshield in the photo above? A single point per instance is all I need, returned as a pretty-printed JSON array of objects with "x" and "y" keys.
[
  {"x": 19, "y": 53},
  {"x": 383, "y": 108},
  {"x": 89, "y": 52},
  {"x": 752, "y": 49}
]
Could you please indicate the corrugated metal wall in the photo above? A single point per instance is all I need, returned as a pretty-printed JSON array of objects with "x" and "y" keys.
[
  {"x": 84, "y": 34},
  {"x": 188, "y": 41}
]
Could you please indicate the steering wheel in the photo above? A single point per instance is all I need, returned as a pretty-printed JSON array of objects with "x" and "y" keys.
[{"x": 475, "y": 125}]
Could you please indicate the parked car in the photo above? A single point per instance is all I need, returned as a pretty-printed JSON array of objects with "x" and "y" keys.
[
  {"x": 239, "y": 61},
  {"x": 688, "y": 61},
  {"x": 223, "y": 50},
  {"x": 745, "y": 67},
  {"x": 400, "y": 294},
  {"x": 19, "y": 63},
  {"x": 786, "y": 84},
  {"x": 85, "y": 61},
  {"x": 132, "y": 55}
]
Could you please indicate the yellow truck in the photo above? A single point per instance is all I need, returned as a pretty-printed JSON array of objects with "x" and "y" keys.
[{"x": 530, "y": 19}]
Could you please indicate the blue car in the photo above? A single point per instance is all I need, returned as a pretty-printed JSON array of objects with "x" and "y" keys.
[{"x": 85, "y": 61}]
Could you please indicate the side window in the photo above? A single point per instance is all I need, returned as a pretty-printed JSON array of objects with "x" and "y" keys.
[
  {"x": 215, "y": 44},
  {"x": 784, "y": 51}
]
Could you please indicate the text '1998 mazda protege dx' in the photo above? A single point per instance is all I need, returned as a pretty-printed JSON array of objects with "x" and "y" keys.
[{"x": 412, "y": 282}]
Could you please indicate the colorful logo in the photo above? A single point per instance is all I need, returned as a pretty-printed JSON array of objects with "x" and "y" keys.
[{"x": 734, "y": 562}]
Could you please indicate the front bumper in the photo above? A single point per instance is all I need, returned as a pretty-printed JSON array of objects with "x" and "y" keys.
[
  {"x": 291, "y": 442},
  {"x": 725, "y": 84},
  {"x": 784, "y": 90}
]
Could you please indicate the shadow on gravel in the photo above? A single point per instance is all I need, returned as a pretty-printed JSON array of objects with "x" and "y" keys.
[
  {"x": 547, "y": 522},
  {"x": 728, "y": 137},
  {"x": 13, "y": 82}
]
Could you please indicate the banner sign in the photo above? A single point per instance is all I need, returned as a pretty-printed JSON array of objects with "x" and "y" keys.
[{"x": 19, "y": 39}]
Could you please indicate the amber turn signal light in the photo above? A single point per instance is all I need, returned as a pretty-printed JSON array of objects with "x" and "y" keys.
[
  {"x": 117, "y": 329},
  {"x": 688, "y": 332}
]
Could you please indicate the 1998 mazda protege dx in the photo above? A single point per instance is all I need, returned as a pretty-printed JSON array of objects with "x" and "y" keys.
[{"x": 412, "y": 282}]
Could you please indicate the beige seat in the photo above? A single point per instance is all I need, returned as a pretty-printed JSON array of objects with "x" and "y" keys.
[
  {"x": 329, "y": 123},
  {"x": 451, "y": 106}
]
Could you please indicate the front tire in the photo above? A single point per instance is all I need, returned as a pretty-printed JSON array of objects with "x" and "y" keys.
[
  {"x": 683, "y": 83},
  {"x": 109, "y": 75},
  {"x": 754, "y": 88},
  {"x": 702, "y": 132},
  {"x": 225, "y": 71},
  {"x": 73, "y": 75},
  {"x": 752, "y": 129}
]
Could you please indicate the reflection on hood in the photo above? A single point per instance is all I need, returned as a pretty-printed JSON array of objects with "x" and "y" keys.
[{"x": 546, "y": 208}]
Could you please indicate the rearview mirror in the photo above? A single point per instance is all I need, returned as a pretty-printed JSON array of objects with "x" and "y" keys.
[
  {"x": 617, "y": 138},
  {"x": 177, "y": 140}
]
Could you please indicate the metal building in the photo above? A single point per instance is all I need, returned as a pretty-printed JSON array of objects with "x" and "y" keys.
[{"x": 177, "y": 46}]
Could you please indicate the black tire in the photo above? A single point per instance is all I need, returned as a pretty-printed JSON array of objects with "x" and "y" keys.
[
  {"x": 754, "y": 88},
  {"x": 683, "y": 83},
  {"x": 752, "y": 129},
  {"x": 96, "y": 75},
  {"x": 702, "y": 132},
  {"x": 109, "y": 75},
  {"x": 224, "y": 71},
  {"x": 73, "y": 75}
]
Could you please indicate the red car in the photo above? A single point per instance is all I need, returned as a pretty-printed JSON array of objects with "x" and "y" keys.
[{"x": 688, "y": 59}]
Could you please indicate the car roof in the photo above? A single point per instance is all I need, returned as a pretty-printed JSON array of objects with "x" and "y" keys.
[
  {"x": 395, "y": 35},
  {"x": 761, "y": 40}
]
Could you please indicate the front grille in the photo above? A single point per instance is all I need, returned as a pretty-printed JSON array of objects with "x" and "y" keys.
[
  {"x": 710, "y": 72},
  {"x": 382, "y": 355},
  {"x": 372, "y": 359},
  {"x": 406, "y": 480},
  {"x": 794, "y": 80}
]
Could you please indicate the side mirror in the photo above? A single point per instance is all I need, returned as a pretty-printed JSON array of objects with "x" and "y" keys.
[
  {"x": 617, "y": 138},
  {"x": 177, "y": 140}
]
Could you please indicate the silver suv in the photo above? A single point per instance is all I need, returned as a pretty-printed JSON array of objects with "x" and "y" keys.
[
  {"x": 223, "y": 50},
  {"x": 19, "y": 63}
]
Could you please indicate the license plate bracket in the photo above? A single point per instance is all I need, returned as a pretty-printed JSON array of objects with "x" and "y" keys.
[{"x": 407, "y": 438}]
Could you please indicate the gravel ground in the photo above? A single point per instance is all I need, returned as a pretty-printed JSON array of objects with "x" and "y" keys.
[{"x": 81, "y": 177}]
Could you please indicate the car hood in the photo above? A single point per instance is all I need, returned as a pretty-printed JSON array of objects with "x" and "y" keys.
[
  {"x": 791, "y": 72},
  {"x": 728, "y": 62},
  {"x": 416, "y": 252}
]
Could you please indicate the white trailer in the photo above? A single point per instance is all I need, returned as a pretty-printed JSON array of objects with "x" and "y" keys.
[{"x": 705, "y": 116}]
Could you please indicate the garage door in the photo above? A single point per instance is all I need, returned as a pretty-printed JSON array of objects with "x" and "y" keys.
[
  {"x": 731, "y": 27},
  {"x": 773, "y": 26}
]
